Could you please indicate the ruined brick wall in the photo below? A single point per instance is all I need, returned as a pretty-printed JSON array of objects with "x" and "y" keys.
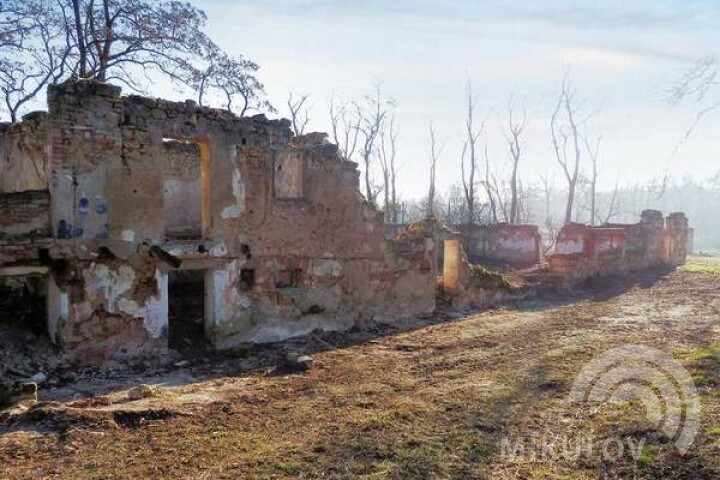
[
  {"x": 24, "y": 215},
  {"x": 644, "y": 240},
  {"x": 287, "y": 242},
  {"x": 502, "y": 245},
  {"x": 583, "y": 251},
  {"x": 24, "y": 226},
  {"x": 24, "y": 154}
]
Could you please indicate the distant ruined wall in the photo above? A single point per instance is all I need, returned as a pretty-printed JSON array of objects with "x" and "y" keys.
[
  {"x": 582, "y": 251},
  {"x": 504, "y": 244}
]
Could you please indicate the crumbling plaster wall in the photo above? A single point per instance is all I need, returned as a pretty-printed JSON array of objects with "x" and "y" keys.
[
  {"x": 108, "y": 162},
  {"x": 108, "y": 309},
  {"x": 504, "y": 244}
]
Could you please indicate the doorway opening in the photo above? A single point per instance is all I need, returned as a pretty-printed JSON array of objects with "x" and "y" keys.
[{"x": 186, "y": 311}]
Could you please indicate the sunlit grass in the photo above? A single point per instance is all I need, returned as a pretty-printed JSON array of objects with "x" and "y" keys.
[{"x": 705, "y": 265}]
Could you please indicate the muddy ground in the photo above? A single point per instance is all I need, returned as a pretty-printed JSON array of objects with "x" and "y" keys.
[{"x": 435, "y": 399}]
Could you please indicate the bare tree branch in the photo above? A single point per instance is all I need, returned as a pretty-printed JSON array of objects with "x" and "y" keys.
[
  {"x": 299, "y": 112},
  {"x": 513, "y": 137}
]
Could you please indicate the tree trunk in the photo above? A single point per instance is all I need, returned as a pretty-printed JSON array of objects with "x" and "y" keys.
[
  {"x": 513, "y": 196},
  {"x": 82, "y": 73},
  {"x": 570, "y": 201}
]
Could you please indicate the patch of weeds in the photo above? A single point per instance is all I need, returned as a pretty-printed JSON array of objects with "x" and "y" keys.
[
  {"x": 407, "y": 409},
  {"x": 484, "y": 422},
  {"x": 377, "y": 421},
  {"x": 416, "y": 461},
  {"x": 546, "y": 473},
  {"x": 480, "y": 451},
  {"x": 369, "y": 449},
  {"x": 648, "y": 455},
  {"x": 705, "y": 366},
  {"x": 290, "y": 468},
  {"x": 701, "y": 380},
  {"x": 705, "y": 353},
  {"x": 714, "y": 431}
]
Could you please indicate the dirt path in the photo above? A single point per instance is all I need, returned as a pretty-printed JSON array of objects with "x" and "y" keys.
[{"x": 433, "y": 402}]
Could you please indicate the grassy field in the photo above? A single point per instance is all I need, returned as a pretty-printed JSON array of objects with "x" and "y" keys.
[
  {"x": 708, "y": 265},
  {"x": 434, "y": 402}
]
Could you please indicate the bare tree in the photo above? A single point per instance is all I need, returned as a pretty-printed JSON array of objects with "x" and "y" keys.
[
  {"x": 593, "y": 150},
  {"x": 548, "y": 186},
  {"x": 123, "y": 35},
  {"x": 388, "y": 155},
  {"x": 696, "y": 85},
  {"x": 372, "y": 115},
  {"x": 435, "y": 151},
  {"x": 234, "y": 81},
  {"x": 469, "y": 151},
  {"x": 35, "y": 41},
  {"x": 356, "y": 128},
  {"x": 80, "y": 39},
  {"x": 564, "y": 130},
  {"x": 345, "y": 120},
  {"x": 299, "y": 112},
  {"x": 513, "y": 136},
  {"x": 491, "y": 189},
  {"x": 122, "y": 40},
  {"x": 613, "y": 206}
]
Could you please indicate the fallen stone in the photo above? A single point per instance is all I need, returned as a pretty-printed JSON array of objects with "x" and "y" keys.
[
  {"x": 182, "y": 363},
  {"x": 298, "y": 362},
  {"x": 142, "y": 391}
]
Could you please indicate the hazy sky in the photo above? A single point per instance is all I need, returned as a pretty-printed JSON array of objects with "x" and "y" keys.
[{"x": 623, "y": 55}]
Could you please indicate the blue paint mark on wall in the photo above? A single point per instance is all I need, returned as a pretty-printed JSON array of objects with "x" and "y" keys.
[
  {"x": 100, "y": 206},
  {"x": 84, "y": 206},
  {"x": 64, "y": 230}
]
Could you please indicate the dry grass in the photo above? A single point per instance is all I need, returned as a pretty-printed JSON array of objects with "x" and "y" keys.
[
  {"x": 704, "y": 265},
  {"x": 432, "y": 403}
]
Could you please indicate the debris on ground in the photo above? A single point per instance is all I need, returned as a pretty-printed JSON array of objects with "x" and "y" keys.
[
  {"x": 142, "y": 391},
  {"x": 298, "y": 362}
]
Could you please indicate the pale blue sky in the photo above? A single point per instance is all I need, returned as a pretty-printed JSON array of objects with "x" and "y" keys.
[{"x": 623, "y": 55}]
